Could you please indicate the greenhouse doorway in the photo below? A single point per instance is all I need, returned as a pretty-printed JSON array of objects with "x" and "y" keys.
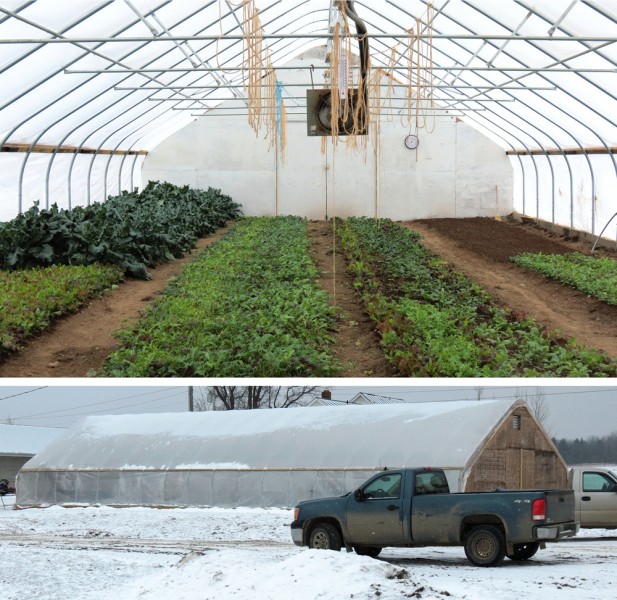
[{"x": 324, "y": 184}]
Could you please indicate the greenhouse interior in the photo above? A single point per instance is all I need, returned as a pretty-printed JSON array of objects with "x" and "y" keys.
[
  {"x": 472, "y": 121},
  {"x": 510, "y": 104}
]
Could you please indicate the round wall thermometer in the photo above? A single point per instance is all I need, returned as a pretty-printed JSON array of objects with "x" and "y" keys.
[{"x": 411, "y": 142}]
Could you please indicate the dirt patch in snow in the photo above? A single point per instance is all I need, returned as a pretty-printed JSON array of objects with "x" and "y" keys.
[
  {"x": 82, "y": 341},
  {"x": 357, "y": 342},
  {"x": 481, "y": 248}
]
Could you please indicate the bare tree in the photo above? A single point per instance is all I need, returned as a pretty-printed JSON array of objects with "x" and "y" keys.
[
  {"x": 230, "y": 397},
  {"x": 537, "y": 403}
]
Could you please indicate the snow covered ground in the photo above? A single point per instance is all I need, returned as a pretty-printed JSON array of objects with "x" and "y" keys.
[{"x": 210, "y": 553}]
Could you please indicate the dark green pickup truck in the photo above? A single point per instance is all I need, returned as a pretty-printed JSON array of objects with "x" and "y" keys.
[{"x": 414, "y": 507}]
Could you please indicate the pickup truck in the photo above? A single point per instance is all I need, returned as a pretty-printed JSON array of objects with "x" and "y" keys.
[
  {"x": 414, "y": 507},
  {"x": 595, "y": 494}
]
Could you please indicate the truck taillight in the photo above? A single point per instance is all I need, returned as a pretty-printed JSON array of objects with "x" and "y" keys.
[
  {"x": 538, "y": 510},
  {"x": 296, "y": 513}
]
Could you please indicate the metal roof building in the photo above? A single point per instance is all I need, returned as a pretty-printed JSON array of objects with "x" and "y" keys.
[{"x": 19, "y": 443}]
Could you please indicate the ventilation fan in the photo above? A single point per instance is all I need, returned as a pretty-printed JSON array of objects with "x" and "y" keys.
[
  {"x": 319, "y": 114},
  {"x": 319, "y": 102}
]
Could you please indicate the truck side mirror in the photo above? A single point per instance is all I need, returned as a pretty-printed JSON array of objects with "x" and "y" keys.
[{"x": 359, "y": 495}]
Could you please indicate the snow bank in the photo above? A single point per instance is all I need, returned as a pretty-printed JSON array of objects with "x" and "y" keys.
[{"x": 303, "y": 575}]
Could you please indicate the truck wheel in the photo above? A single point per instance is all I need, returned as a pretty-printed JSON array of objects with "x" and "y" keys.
[
  {"x": 372, "y": 551},
  {"x": 524, "y": 551},
  {"x": 485, "y": 546},
  {"x": 325, "y": 537}
]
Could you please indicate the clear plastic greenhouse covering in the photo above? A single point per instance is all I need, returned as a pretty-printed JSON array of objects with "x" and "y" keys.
[
  {"x": 270, "y": 457},
  {"x": 89, "y": 87}
]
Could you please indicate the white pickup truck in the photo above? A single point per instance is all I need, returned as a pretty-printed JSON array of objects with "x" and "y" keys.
[{"x": 595, "y": 493}]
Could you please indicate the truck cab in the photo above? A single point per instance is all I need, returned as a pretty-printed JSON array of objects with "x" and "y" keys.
[{"x": 595, "y": 493}]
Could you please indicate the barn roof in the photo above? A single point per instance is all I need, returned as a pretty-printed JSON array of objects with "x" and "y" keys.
[
  {"x": 23, "y": 440},
  {"x": 413, "y": 434}
]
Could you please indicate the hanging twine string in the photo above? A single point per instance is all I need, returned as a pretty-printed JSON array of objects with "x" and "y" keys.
[{"x": 265, "y": 108}]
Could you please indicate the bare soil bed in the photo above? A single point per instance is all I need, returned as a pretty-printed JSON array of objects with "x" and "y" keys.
[{"x": 480, "y": 248}]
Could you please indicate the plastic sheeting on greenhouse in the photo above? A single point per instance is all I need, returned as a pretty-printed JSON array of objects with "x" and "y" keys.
[
  {"x": 253, "y": 458},
  {"x": 90, "y": 87}
]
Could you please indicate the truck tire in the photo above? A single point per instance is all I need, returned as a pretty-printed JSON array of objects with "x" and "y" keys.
[
  {"x": 485, "y": 546},
  {"x": 325, "y": 537},
  {"x": 372, "y": 551},
  {"x": 524, "y": 551}
]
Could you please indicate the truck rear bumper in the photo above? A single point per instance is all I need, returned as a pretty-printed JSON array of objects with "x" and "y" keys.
[{"x": 556, "y": 532}]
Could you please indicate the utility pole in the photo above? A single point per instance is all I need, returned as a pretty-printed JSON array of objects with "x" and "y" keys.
[{"x": 191, "y": 408}]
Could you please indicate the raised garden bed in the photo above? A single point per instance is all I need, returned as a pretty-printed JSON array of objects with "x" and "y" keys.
[
  {"x": 592, "y": 275},
  {"x": 248, "y": 306},
  {"x": 32, "y": 298},
  {"x": 436, "y": 322}
]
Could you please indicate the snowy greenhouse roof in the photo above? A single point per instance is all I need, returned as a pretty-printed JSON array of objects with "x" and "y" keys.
[
  {"x": 89, "y": 87},
  {"x": 22, "y": 440},
  {"x": 412, "y": 434}
]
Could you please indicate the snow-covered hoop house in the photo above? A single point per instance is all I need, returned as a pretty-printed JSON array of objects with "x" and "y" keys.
[
  {"x": 513, "y": 106},
  {"x": 280, "y": 456},
  {"x": 19, "y": 443}
]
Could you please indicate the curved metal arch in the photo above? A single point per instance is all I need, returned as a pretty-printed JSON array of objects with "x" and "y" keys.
[
  {"x": 494, "y": 124},
  {"x": 142, "y": 100},
  {"x": 110, "y": 88},
  {"x": 42, "y": 109},
  {"x": 582, "y": 146},
  {"x": 583, "y": 76},
  {"x": 542, "y": 116},
  {"x": 156, "y": 106}
]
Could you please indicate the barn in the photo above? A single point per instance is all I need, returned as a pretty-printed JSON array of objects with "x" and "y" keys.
[
  {"x": 280, "y": 456},
  {"x": 19, "y": 443}
]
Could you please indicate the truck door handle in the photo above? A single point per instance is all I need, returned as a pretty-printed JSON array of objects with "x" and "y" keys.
[
  {"x": 586, "y": 498},
  {"x": 393, "y": 507}
]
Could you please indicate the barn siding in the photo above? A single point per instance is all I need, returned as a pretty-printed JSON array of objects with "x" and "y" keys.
[{"x": 517, "y": 458}]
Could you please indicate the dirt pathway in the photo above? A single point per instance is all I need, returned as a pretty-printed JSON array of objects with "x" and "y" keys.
[
  {"x": 82, "y": 341},
  {"x": 481, "y": 249},
  {"x": 357, "y": 343}
]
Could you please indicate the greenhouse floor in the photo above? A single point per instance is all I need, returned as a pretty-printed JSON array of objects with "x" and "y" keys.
[
  {"x": 478, "y": 247},
  {"x": 481, "y": 249},
  {"x": 82, "y": 341}
]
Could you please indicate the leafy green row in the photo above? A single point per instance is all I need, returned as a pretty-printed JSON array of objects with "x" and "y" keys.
[
  {"x": 592, "y": 275},
  {"x": 30, "y": 299},
  {"x": 135, "y": 230},
  {"x": 248, "y": 306},
  {"x": 436, "y": 322}
]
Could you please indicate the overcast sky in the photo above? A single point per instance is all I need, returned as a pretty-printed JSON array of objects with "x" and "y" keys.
[{"x": 574, "y": 411}]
